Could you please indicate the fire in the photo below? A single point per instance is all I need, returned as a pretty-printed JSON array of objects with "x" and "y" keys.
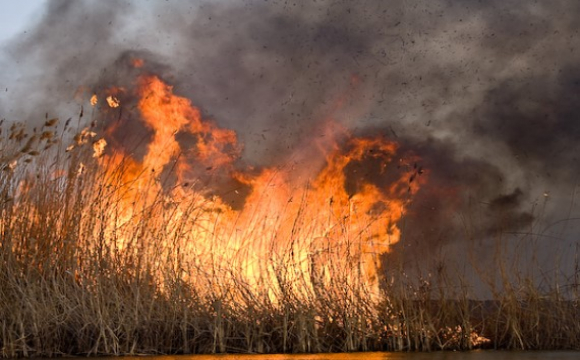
[
  {"x": 167, "y": 115},
  {"x": 266, "y": 226}
]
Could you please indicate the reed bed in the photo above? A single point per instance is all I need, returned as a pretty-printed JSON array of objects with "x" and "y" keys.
[{"x": 81, "y": 276}]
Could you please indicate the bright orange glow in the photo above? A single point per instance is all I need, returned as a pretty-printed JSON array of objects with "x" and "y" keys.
[
  {"x": 113, "y": 101},
  {"x": 307, "y": 229},
  {"x": 167, "y": 114}
]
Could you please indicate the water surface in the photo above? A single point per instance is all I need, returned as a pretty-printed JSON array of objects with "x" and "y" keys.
[{"x": 451, "y": 355}]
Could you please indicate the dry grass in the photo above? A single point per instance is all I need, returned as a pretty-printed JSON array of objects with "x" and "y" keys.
[{"x": 78, "y": 276}]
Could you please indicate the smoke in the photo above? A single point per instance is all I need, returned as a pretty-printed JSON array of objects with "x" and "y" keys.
[{"x": 485, "y": 93}]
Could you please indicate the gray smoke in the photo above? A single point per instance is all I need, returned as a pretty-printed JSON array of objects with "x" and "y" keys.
[{"x": 485, "y": 92}]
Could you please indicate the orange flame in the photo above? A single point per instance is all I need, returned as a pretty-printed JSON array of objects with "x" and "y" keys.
[
  {"x": 168, "y": 115},
  {"x": 340, "y": 220}
]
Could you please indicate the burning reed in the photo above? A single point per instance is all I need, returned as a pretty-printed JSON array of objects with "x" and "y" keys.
[{"x": 108, "y": 250}]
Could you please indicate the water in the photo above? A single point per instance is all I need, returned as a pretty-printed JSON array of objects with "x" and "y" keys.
[{"x": 472, "y": 355}]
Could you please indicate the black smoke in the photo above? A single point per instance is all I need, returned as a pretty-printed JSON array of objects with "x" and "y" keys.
[{"x": 486, "y": 93}]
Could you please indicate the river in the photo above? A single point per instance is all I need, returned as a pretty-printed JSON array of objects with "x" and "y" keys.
[{"x": 451, "y": 355}]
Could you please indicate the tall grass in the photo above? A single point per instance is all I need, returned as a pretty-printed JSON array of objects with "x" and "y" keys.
[{"x": 82, "y": 274}]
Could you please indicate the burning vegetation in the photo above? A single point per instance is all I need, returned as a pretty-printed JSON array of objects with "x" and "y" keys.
[
  {"x": 309, "y": 177},
  {"x": 343, "y": 217},
  {"x": 170, "y": 243}
]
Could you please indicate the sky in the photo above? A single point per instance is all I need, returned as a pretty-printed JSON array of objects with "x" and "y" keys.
[{"x": 17, "y": 17}]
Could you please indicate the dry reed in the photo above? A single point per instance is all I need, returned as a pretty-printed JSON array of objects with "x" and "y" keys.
[{"x": 73, "y": 284}]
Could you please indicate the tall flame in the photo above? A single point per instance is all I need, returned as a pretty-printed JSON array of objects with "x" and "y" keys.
[{"x": 336, "y": 221}]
